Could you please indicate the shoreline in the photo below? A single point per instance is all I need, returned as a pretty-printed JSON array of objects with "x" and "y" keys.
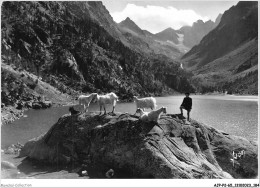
[{"x": 10, "y": 114}]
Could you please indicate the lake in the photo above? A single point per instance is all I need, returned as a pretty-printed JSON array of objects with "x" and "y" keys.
[{"x": 237, "y": 115}]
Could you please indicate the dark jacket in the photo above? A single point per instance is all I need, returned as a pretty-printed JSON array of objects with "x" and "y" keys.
[{"x": 187, "y": 103}]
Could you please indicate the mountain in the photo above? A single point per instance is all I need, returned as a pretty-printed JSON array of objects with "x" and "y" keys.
[
  {"x": 170, "y": 42},
  {"x": 168, "y": 34},
  {"x": 146, "y": 42},
  {"x": 218, "y": 19},
  {"x": 148, "y": 34},
  {"x": 77, "y": 46},
  {"x": 187, "y": 36},
  {"x": 193, "y": 34},
  {"x": 131, "y": 27},
  {"x": 227, "y": 58}
]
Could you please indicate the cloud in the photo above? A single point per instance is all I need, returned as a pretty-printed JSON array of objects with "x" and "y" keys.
[{"x": 156, "y": 18}]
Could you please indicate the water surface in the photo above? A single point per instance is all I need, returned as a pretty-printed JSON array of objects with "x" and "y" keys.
[{"x": 236, "y": 115}]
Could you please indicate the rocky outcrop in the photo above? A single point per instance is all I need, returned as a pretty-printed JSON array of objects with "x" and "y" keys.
[
  {"x": 136, "y": 149},
  {"x": 41, "y": 104}
]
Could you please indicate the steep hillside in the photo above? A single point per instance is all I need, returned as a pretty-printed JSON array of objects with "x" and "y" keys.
[
  {"x": 238, "y": 25},
  {"x": 235, "y": 72},
  {"x": 227, "y": 58},
  {"x": 79, "y": 45},
  {"x": 22, "y": 90}
]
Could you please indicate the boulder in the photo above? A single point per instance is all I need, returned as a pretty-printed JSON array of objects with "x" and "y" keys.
[
  {"x": 135, "y": 149},
  {"x": 29, "y": 104},
  {"x": 14, "y": 149},
  {"x": 20, "y": 105},
  {"x": 41, "y": 104},
  {"x": 46, "y": 104},
  {"x": 36, "y": 105}
]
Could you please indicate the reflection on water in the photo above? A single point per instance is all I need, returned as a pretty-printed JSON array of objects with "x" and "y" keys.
[{"x": 233, "y": 114}]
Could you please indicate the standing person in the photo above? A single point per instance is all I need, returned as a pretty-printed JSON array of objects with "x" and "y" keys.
[{"x": 186, "y": 104}]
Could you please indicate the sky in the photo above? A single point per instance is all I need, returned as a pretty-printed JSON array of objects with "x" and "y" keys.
[{"x": 156, "y": 16}]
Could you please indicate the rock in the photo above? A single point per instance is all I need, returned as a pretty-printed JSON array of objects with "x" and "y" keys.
[
  {"x": 167, "y": 149},
  {"x": 20, "y": 105},
  {"x": 110, "y": 173},
  {"x": 41, "y": 104},
  {"x": 46, "y": 104},
  {"x": 10, "y": 151},
  {"x": 28, "y": 104},
  {"x": 36, "y": 105},
  {"x": 14, "y": 149},
  {"x": 84, "y": 173},
  {"x": 7, "y": 165}
]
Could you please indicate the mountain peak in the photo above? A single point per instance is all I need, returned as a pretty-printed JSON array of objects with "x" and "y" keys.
[
  {"x": 127, "y": 21},
  {"x": 200, "y": 22},
  {"x": 170, "y": 29},
  {"x": 168, "y": 34},
  {"x": 218, "y": 19},
  {"x": 167, "y": 30},
  {"x": 131, "y": 25},
  {"x": 209, "y": 22}
]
